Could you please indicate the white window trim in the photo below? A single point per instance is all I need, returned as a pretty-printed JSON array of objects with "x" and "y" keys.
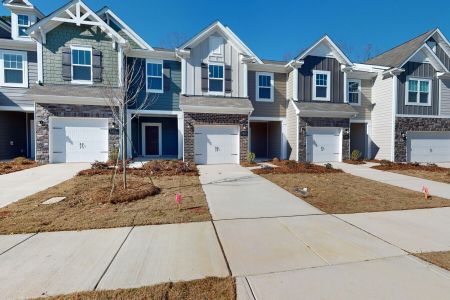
[
  {"x": 159, "y": 125},
  {"x": 419, "y": 79},
  {"x": 314, "y": 97},
  {"x": 82, "y": 48},
  {"x": 212, "y": 41},
  {"x": 213, "y": 93},
  {"x": 358, "y": 81},
  {"x": 24, "y": 69},
  {"x": 156, "y": 62},
  {"x": 272, "y": 87}
]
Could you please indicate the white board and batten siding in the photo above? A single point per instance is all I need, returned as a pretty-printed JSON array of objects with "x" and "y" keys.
[
  {"x": 292, "y": 132},
  {"x": 216, "y": 144},
  {"x": 78, "y": 140},
  {"x": 383, "y": 118},
  {"x": 201, "y": 54}
]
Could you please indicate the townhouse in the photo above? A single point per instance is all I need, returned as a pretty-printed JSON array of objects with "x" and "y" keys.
[{"x": 212, "y": 100}]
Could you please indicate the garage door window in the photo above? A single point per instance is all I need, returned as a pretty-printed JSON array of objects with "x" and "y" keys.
[{"x": 418, "y": 92}]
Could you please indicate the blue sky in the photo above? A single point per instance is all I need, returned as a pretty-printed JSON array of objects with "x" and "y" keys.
[{"x": 279, "y": 29}]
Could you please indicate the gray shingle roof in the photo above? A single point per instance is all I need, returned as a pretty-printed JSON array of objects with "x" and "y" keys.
[
  {"x": 274, "y": 62},
  {"x": 396, "y": 57},
  {"x": 325, "y": 109},
  {"x": 66, "y": 91},
  {"x": 216, "y": 102}
]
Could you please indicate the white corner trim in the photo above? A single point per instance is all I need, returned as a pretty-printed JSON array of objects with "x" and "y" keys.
[
  {"x": 393, "y": 112},
  {"x": 295, "y": 85}
]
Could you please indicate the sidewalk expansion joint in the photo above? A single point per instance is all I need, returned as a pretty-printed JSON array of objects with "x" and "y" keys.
[{"x": 21, "y": 242}]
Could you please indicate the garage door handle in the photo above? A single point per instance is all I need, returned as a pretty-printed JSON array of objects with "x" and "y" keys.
[
  {"x": 234, "y": 154},
  {"x": 56, "y": 128},
  {"x": 57, "y": 152},
  {"x": 197, "y": 154}
]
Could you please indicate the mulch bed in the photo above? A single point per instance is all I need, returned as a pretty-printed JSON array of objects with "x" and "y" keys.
[
  {"x": 388, "y": 166},
  {"x": 246, "y": 164},
  {"x": 152, "y": 168},
  {"x": 18, "y": 164},
  {"x": 354, "y": 162},
  {"x": 292, "y": 167}
]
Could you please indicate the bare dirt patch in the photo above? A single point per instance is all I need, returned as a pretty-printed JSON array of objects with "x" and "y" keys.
[
  {"x": 209, "y": 288},
  {"x": 79, "y": 211},
  {"x": 440, "y": 259},
  {"x": 17, "y": 164},
  {"x": 342, "y": 193},
  {"x": 293, "y": 167},
  {"x": 430, "y": 172}
]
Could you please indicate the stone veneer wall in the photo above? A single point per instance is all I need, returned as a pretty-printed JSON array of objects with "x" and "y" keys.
[
  {"x": 192, "y": 119},
  {"x": 405, "y": 124},
  {"x": 44, "y": 111},
  {"x": 323, "y": 122}
]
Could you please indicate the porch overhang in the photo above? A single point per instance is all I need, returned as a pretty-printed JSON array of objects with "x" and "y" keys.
[
  {"x": 218, "y": 105},
  {"x": 325, "y": 110}
]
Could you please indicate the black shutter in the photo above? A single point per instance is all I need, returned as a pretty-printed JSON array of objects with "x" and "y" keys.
[
  {"x": 97, "y": 65},
  {"x": 228, "y": 79},
  {"x": 204, "y": 77},
  {"x": 67, "y": 64},
  {"x": 167, "y": 77}
]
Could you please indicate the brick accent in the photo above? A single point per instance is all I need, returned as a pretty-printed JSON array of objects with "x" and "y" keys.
[
  {"x": 323, "y": 122},
  {"x": 405, "y": 124},
  {"x": 192, "y": 119},
  {"x": 66, "y": 35},
  {"x": 44, "y": 111}
]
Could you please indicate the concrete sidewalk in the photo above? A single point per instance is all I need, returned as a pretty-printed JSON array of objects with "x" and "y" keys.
[
  {"x": 18, "y": 185},
  {"x": 234, "y": 192},
  {"x": 64, "y": 262},
  {"x": 408, "y": 182}
]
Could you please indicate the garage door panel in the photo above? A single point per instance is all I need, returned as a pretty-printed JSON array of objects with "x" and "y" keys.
[
  {"x": 79, "y": 140},
  {"x": 428, "y": 146},
  {"x": 216, "y": 144},
  {"x": 323, "y": 144}
]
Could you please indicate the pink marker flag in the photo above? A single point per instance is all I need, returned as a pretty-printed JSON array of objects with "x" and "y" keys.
[
  {"x": 178, "y": 198},
  {"x": 425, "y": 191}
]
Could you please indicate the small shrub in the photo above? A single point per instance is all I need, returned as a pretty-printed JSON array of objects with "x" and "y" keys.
[
  {"x": 329, "y": 166},
  {"x": 22, "y": 161},
  {"x": 275, "y": 160},
  {"x": 356, "y": 155},
  {"x": 97, "y": 165},
  {"x": 431, "y": 165},
  {"x": 251, "y": 157},
  {"x": 385, "y": 162}
]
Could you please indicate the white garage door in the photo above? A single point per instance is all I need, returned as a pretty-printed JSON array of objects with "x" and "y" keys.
[
  {"x": 78, "y": 140},
  {"x": 428, "y": 146},
  {"x": 216, "y": 145},
  {"x": 323, "y": 144}
]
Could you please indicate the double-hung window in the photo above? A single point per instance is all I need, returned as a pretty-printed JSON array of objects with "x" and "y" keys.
[
  {"x": 155, "y": 76},
  {"x": 13, "y": 68},
  {"x": 81, "y": 65},
  {"x": 418, "y": 92},
  {"x": 23, "y": 23},
  {"x": 216, "y": 80},
  {"x": 264, "y": 86},
  {"x": 354, "y": 91},
  {"x": 321, "y": 85}
]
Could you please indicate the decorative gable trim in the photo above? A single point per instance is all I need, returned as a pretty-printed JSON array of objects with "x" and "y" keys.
[
  {"x": 82, "y": 15},
  {"x": 434, "y": 60},
  {"x": 443, "y": 42},
  {"x": 337, "y": 53},
  {"x": 226, "y": 31},
  {"x": 130, "y": 32},
  {"x": 26, "y": 5}
]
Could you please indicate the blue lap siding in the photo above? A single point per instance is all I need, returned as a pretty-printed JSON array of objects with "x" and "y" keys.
[{"x": 169, "y": 128}]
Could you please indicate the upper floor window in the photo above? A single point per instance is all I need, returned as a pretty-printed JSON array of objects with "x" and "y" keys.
[
  {"x": 216, "y": 45},
  {"x": 216, "y": 78},
  {"x": 354, "y": 92},
  {"x": 81, "y": 65},
  {"x": 13, "y": 69},
  {"x": 155, "y": 76},
  {"x": 264, "y": 86},
  {"x": 321, "y": 85},
  {"x": 23, "y": 23},
  {"x": 418, "y": 92}
]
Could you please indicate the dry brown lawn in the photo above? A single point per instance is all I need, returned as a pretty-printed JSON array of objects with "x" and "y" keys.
[
  {"x": 441, "y": 259},
  {"x": 430, "y": 175},
  {"x": 81, "y": 211},
  {"x": 341, "y": 193},
  {"x": 203, "y": 289},
  {"x": 17, "y": 164}
]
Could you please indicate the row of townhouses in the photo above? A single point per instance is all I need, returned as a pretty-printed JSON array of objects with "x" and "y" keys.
[{"x": 213, "y": 100}]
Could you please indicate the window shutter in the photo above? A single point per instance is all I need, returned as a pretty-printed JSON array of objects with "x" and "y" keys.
[
  {"x": 97, "y": 65},
  {"x": 167, "y": 78},
  {"x": 204, "y": 77},
  {"x": 228, "y": 79},
  {"x": 67, "y": 64}
]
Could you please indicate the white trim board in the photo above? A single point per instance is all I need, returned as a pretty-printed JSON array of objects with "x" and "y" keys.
[{"x": 143, "y": 142}]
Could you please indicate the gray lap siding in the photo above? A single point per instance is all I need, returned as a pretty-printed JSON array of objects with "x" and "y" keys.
[
  {"x": 193, "y": 119},
  {"x": 43, "y": 113},
  {"x": 323, "y": 122}
]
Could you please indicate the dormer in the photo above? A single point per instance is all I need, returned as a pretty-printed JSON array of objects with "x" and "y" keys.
[{"x": 23, "y": 16}]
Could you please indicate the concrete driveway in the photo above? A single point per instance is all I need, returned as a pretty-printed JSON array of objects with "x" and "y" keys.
[{"x": 18, "y": 185}]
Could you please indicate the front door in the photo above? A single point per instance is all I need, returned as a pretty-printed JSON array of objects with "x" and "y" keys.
[{"x": 151, "y": 140}]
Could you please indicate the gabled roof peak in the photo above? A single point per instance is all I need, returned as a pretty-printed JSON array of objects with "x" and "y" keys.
[{"x": 337, "y": 52}]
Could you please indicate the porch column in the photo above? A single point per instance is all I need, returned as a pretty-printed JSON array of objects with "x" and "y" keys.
[
  {"x": 180, "y": 119},
  {"x": 283, "y": 139},
  {"x": 129, "y": 137}
]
